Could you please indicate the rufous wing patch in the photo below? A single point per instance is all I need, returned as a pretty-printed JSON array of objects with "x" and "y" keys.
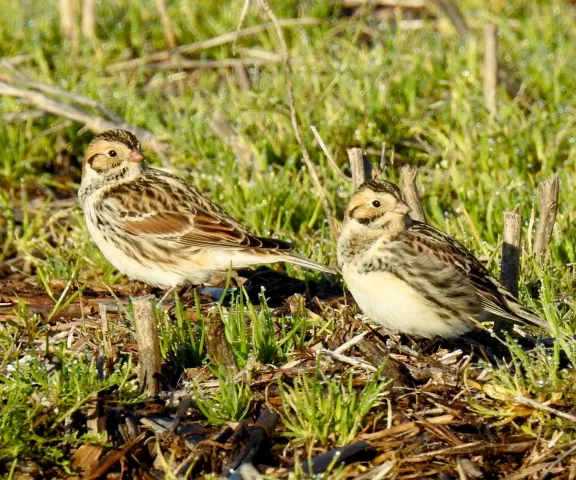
[{"x": 162, "y": 223}]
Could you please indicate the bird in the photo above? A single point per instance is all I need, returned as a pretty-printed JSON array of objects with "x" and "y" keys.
[
  {"x": 159, "y": 228},
  {"x": 412, "y": 278}
]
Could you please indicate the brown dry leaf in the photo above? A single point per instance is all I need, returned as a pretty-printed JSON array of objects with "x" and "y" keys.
[{"x": 86, "y": 456}]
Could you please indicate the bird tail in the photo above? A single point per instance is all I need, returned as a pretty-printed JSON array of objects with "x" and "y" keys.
[
  {"x": 530, "y": 317},
  {"x": 521, "y": 311},
  {"x": 307, "y": 263}
]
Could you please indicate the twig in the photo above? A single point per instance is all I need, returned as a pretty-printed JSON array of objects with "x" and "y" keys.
[
  {"x": 510, "y": 268},
  {"x": 111, "y": 458},
  {"x": 294, "y": 117},
  {"x": 243, "y": 14},
  {"x": 211, "y": 42},
  {"x": 166, "y": 23},
  {"x": 23, "y": 81},
  {"x": 92, "y": 122},
  {"x": 347, "y": 360},
  {"x": 182, "y": 409},
  {"x": 350, "y": 343},
  {"x": 23, "y": 116},
  {"x": 360, "y": 166},
  {"x": 329, "y": 156},
  {"x": 410, "y": 191},
  {"x": 178, "y": 63},
  {"x": 568, "y": 453},
  {"x": 548, "y": 193},
  {"x": 451, "y": 10},
  {"x": 379, "y": 472},
  {"x": 148, "y": 343},
  {"x": 546, "y": 408},
  {"x": 263, "y": 430},
  {"x": 383, "y": 158},
  {"x": 490, "y": 67},
  {"x": 88, "y": 25}
]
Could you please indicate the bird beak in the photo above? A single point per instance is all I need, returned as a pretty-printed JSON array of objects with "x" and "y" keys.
[
  {"x": 135, "y": 156},
  {"x": 401, "y": 208}
]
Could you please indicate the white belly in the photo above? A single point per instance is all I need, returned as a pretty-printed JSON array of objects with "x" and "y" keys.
[
  {"x": 397, "y": 306},
  {"x": 134, "y": 269}
]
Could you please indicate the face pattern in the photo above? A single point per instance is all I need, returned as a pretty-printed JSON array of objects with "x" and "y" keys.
[
  {"x": 111, "y": 149},
  {"x": 377, "y": 204}
]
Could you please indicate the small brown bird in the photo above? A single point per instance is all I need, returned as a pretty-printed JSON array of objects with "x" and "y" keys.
[
  {"x": 158, "y": 228},
  {"x": 411, "y": 277}
]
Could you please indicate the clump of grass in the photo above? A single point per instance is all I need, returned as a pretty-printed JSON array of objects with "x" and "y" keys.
[
  {"x": 41, "y": 398},
  {"x": 256, "y": 331},
  {"x": 181, "y": 340},
  {"x": 230, "y": 402},
  {"x": 329, "y": 411},
  {"x": 545, "y": 374}
]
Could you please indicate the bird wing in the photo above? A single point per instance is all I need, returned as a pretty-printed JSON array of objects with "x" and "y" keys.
[
  {"x": 494, "y": 298},
  {"x": 198, "y": 229},
  {"x": 169, "y": 209}
]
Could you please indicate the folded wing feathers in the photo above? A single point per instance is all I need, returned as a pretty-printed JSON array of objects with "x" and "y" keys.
[{"x": 492, "y": 295}]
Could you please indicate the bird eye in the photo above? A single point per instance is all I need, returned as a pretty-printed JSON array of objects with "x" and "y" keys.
[
  {"x": 376, "y": 203},
  {"x": 112, "y": 153}
]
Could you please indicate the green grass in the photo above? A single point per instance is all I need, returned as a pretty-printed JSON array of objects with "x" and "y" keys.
[{"x": 361, "y": 83}]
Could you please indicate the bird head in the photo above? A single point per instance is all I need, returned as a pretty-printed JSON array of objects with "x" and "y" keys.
[
  {"x": 112, "y": 152},
  {"x": 378, "y": 204}
]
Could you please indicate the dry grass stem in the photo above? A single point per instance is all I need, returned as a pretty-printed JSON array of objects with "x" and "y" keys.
[
  {"x": 510, "y": 269},
  {"x": 243, "y": 77},
  {"x": 68, "y": 26},
  {"x": 352, "y": 342},
  {"x": 243, "y": 14},
  {"x": 548, "y": 194},
  {"x": 329, "y": 156},
  {"x": 356, "y": 362},
  {"x": 148, "y": 343},
  {"x": 19, "y": 79},
  {"x": 210, "y": 43},
  {"x": 295, "y": 125},
  {"x": 166, "y": 23},
  {"x": 178, "y": 63},
  {"x": 408, "y": 175},
  {"x": 88, "y": 25},
  {"x": 383, "y": 157},
  {"x": 512, "y": 234},
  {"x": 106, "y": 339},
  {"x": 490, "y": 67},
  {"x": 360, "y": 166},
  {"x": 451, "y": 10},
  {"x": 545, "y": 408},
  {"x": 93, "y": 122}
]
